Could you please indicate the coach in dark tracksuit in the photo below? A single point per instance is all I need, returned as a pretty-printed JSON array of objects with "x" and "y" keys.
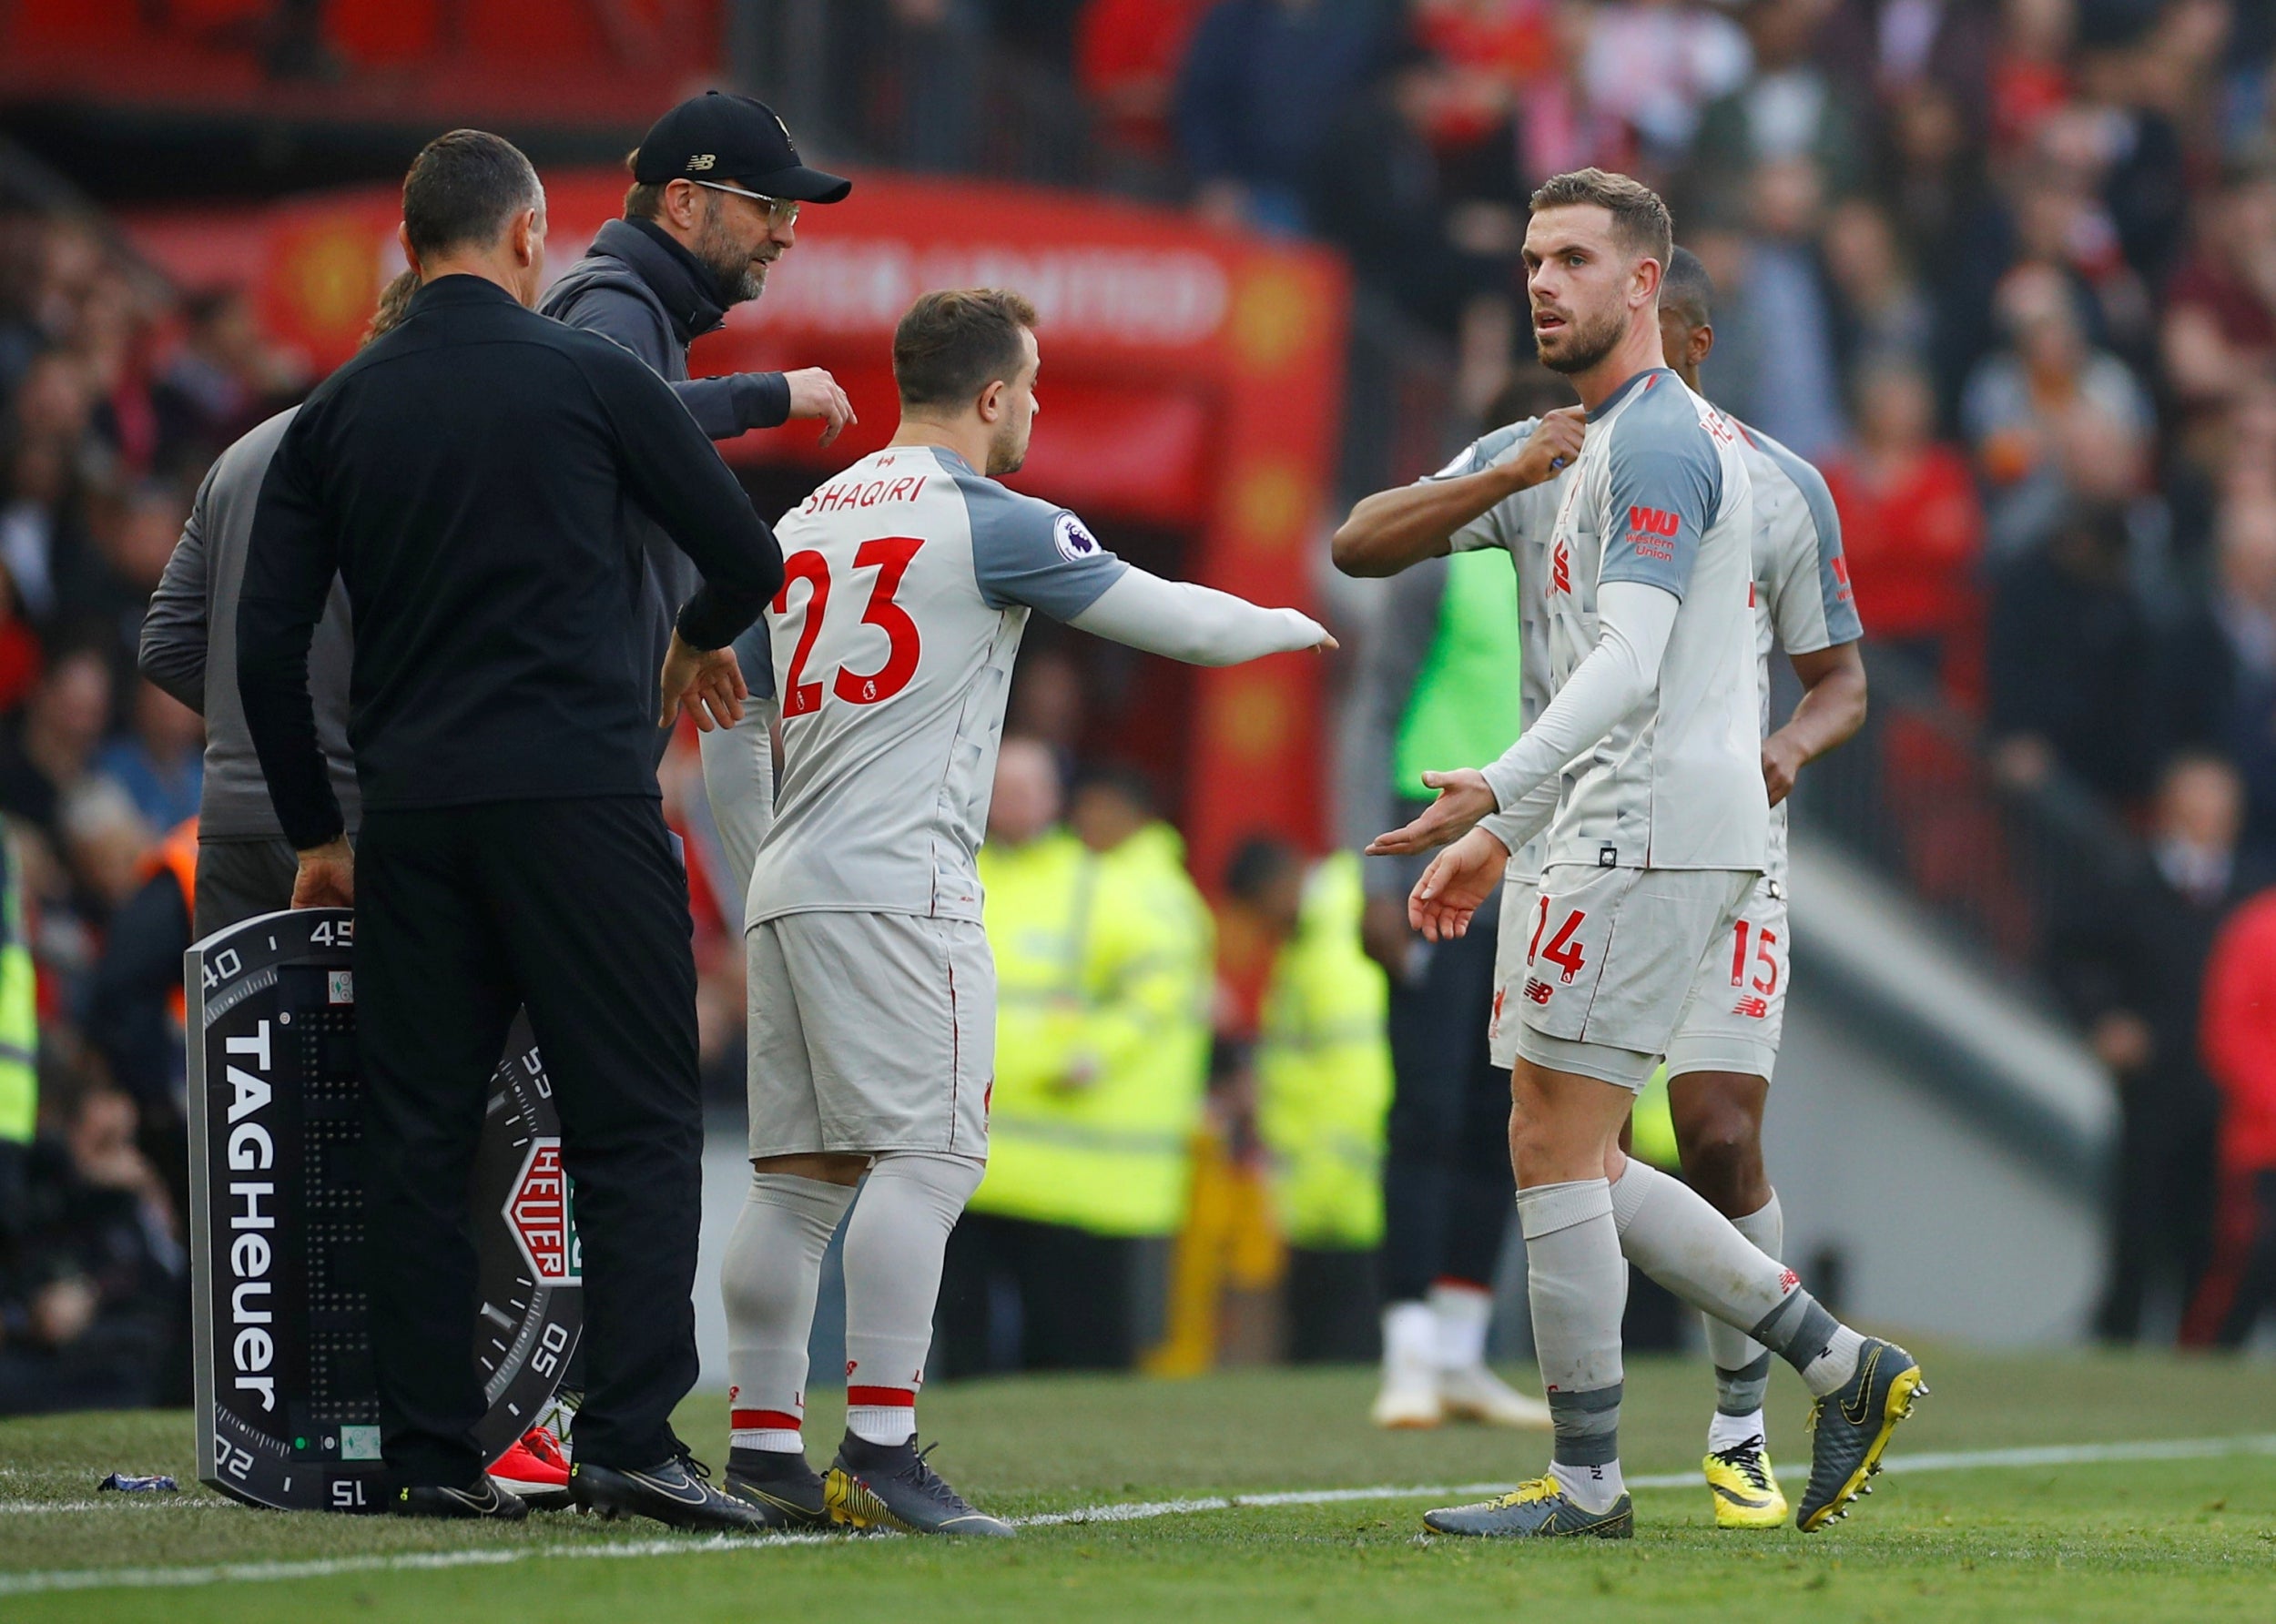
[
  {"x": 716, "y": 188},
  {"x": 463, "y": 476}
]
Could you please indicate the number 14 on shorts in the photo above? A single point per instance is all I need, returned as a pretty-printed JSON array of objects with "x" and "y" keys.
[{"x": 1563, "y": 951}]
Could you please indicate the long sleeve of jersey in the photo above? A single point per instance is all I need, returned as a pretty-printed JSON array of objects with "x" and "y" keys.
[
  {"x": 1534, "y": 812},
  {"x": 1196, "y": 625},
  {"x": 1634, "y": 622},
  {"x": 739, "y": 782}
]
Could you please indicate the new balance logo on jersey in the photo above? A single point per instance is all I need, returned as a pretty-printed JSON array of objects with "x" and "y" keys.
[{"x": 1652, "y": 531}]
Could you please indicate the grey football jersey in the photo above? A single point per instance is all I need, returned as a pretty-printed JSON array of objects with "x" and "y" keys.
[
  {"x": 907, "y": 580},
  {"x": 1660, "y": 495},
  {"x": 1802, "y": 596}
]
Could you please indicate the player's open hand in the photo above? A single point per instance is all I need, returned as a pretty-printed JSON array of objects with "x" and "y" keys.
[
  {"x": 1456, "y": 886},
  {"x": 1463, "y": 797},
  {"x": 708, "y": 683},
  {"x": 1555, "y": 446},
  {"x": 814, "y": 393}
]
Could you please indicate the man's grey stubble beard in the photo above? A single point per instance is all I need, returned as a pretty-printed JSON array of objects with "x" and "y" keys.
[{"x": 730, "y": 267}]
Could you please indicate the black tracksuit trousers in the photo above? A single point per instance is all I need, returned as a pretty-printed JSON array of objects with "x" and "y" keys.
[
  {"x": 1448, "y": 1192},
  {"x": 578, "y": 909}
]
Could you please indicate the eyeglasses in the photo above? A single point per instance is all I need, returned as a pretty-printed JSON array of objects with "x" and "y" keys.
[{"x": 780, "y": 211}]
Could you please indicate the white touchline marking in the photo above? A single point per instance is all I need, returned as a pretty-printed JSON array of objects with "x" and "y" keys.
[{"x": 1957, "y": 1460}]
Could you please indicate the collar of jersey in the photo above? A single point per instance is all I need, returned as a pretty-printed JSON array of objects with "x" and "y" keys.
[{"x": 1625, "y": 389}]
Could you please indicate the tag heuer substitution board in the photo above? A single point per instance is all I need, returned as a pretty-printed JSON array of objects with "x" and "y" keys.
[{"x": 286, "y": 1413}]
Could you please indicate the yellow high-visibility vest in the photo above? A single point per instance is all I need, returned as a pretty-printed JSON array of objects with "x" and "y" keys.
[
  {"x": 1102, "y": 977},
  {"x": 1324, "y": 1069},
  {"x": 19, "y": 1006}
]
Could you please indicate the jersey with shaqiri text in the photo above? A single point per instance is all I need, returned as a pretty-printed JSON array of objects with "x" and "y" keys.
[
  {"x": 1660, "y": 495},
  {"x": 907, "y": 580},
  {"x": 1803, "y": 601}
]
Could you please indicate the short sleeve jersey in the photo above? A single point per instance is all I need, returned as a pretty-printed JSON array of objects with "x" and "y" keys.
[
  {"x": 907, "y": 580},
  {"x": 1660, "y": 495},
  {"x": 1802, "y": 596}
]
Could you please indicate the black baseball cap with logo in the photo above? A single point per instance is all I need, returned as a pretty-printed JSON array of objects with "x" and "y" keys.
[{"x": 722, "y": 136}]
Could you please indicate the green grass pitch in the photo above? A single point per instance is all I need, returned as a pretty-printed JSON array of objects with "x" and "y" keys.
[{"x": 2145, "y": 1539}]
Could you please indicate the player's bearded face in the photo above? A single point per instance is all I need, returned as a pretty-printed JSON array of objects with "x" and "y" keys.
[{"x": 1573, "y": 334}]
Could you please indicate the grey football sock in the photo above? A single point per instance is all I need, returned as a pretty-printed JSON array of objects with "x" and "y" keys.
[
  {"x": 1672, "y": 1234},
  {"x": 767, "y": 1279},
  {"x": 1742, "y": 1363},
  {"x": 894, "y": 1242},
  {"x": 1577, "y": 1288}
]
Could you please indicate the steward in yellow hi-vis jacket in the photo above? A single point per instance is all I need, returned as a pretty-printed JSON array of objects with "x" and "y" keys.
[
  {"x": 1324, "y": 1088},
  {"x": 1102, "y": 976},
  {"x": 19, "y": 1039}
]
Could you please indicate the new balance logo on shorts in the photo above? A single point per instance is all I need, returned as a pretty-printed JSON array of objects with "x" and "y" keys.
[
  {"x": 1752, "y": 1008},
  {"x": 1537, "y": 989}
]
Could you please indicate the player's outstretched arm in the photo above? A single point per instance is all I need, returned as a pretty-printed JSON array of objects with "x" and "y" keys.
[
  {"x": 1633, "y": 623},
  {"x": 1394, "y": 529},
  {"x": 1196, "y": 625}
]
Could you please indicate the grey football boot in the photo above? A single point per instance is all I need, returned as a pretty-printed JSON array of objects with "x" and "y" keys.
[
  {"x": 890, "y": 1485},
  {"x": 1850, "y": 1428},
  {"x": 1536, "y": 1510},
  {"x": 780, "y": 1486}
]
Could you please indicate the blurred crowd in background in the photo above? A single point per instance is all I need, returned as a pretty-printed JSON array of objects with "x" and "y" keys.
[{"x": 2006, "y": 269}]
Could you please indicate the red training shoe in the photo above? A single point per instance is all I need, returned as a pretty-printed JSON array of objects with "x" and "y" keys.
[{"x": 534, "y": 1468}]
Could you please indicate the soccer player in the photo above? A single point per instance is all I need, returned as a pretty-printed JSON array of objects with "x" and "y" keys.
[
  {"x": 909, "y": 579},
  {"x": 1722, "y": 1057},
  {"x": 1650, "y": 753}
]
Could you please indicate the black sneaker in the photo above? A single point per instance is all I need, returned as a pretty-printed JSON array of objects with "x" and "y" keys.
[
  {"x": 890, "y": 1485},
  {"x": 678, "y": 1493},
  {"x": 481, "y": 1499},
  {"x": 780, "y": 1486}
]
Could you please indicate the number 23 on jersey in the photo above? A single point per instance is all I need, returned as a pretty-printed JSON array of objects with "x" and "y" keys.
[{"x": 889, "y": 556}]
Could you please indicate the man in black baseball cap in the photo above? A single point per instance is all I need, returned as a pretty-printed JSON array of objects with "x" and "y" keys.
[
  {"x": 715, "y": 200},
  {"x": 716, "y": 137}
]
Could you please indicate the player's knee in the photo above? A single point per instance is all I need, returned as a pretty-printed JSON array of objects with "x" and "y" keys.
[{"x": 1723, "y": 1159}]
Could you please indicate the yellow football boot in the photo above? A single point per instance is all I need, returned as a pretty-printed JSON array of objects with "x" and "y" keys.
[{"x": 1745, "y": 1489}]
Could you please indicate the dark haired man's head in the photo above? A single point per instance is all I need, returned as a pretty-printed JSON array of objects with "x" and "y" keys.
[
  {"x": 1687, "y": 298},
  {"x": 969, "y": 353},
  {"x": 1111, "y": 804},
  {"x": 1265, "y": 876},
  {"x": 473, "y": 205},
  {"x": 1595, "y": 252}
]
